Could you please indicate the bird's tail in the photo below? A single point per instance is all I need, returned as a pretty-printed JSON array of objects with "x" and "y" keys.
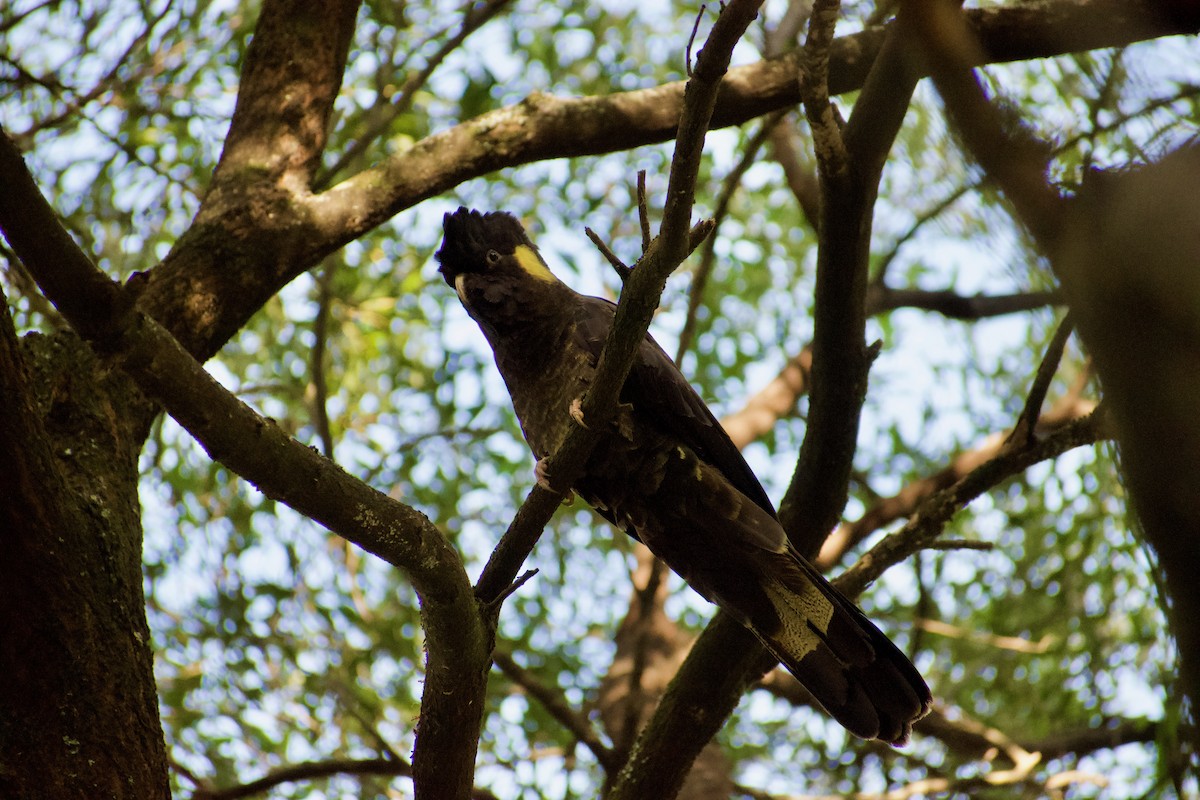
[{"x": 851, "y": 668}]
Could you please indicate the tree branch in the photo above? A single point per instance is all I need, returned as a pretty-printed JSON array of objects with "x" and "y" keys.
[
  {"x": 473, "y": 18},
  {"x": 906, "y": 502},
  {"x": 934, "y": 511},
  {"x": 281, "y": 120},
  {"x": 543, "y": 126},
  {"x": 216, "y": 277},
  {"x": 778, "y": 398},
  {"x": 801, "y": 179},
  {"x": 1123, "y": 249},
  {"x": 318, "y": 378},
  {"x": 253, "y": 233},
  {"x": 775, "y": 400},
  {"x": 667, "y": 746},
  {"x": 729, "y": 188},
  {"x": 316, "y": 770},
  {"x": 1023, "y": 430},
  {"x": 823, "y": 118},
  {"x": 952, "y": 305},
  {"x": 554, "y": 703},
  {"x": 971, "y": 739},
  {"x": 849, "y": 183},
  {"x": 457, "y": 643}
]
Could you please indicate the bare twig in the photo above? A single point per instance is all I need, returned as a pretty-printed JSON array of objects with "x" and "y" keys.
[
  {"x": 473, "y": 19},
  {"x": 950, "y": 304},
  {"x": 687, "y": 58},
  {"x": 931, "y": 516},
  {"x": 102, "y": 84},
  {"x": 961, "y": 544},
  {"x": 800, "y": 176},
  {"x": 1022, "y": 432},
  {"x": 904, "y": 503},
  {"x": 643, "y": 210},
  {"x": 729, "y": 187},
  {"x": 320, "y": 382},
  {"x": 620, "y": 267},
  {"x": 553, "y": 701}
]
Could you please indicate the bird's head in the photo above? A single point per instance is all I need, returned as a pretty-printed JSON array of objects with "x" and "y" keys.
[
  {"x": 500, "y": 278},
  {"x": 491, "y": 248}
]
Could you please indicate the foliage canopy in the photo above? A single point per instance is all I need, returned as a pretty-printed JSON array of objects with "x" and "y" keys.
[{"x": 1037, "y": 616}]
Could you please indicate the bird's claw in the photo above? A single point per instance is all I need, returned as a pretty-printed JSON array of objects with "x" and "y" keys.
[
  {"x": 541, "y": 474},
  {"x": 576, "y": 412}
]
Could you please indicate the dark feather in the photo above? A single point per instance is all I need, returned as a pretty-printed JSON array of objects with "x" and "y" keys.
[{"x": 659, "y": 392}]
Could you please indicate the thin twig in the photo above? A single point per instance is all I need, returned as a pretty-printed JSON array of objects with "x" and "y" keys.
[
  {"x": 643, "y": 210},
  {"x": 950, "y": 304},
  {"x": 620, "y": 267},
  {"x": 708, "y": 257},
  {"x": 553, "y": 701},
  {"x": 934, "y": 512},
  {"x": 472, "y": 20},
  {"x": 317, "y": 357},
  {"x": 961, "y": 544},
  {"x": 1022, "y": 432},
  {"x": 687, "y": 60}
]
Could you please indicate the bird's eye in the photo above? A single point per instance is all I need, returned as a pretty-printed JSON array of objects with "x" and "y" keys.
[{"x": 492, "y": 257}]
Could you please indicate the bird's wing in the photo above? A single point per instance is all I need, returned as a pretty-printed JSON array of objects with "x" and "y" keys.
[{"x": 663, "y": 397}]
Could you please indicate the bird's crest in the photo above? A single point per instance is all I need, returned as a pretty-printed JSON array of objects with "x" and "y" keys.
[{"x": 470, "y": 234}]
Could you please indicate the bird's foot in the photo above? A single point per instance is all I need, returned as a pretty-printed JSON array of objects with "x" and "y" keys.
[
  {"x": 576, "y": 412},
  {"x": 541, "y": 474}
]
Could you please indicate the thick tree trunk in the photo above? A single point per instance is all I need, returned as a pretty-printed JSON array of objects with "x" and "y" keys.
[{"x": 78, "y": 708}]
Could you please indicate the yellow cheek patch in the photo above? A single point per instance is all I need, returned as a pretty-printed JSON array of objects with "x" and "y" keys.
[{"x": 531, "y": 263}]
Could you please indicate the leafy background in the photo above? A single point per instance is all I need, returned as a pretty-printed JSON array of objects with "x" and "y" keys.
[{"x": 278, "y": 643}]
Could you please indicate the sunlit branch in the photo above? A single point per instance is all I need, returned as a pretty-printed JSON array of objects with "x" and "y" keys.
[{"x": 401, "y": 102}]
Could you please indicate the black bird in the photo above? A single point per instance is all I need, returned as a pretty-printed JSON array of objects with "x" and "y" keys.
[{"x": 666, "y": 473}]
